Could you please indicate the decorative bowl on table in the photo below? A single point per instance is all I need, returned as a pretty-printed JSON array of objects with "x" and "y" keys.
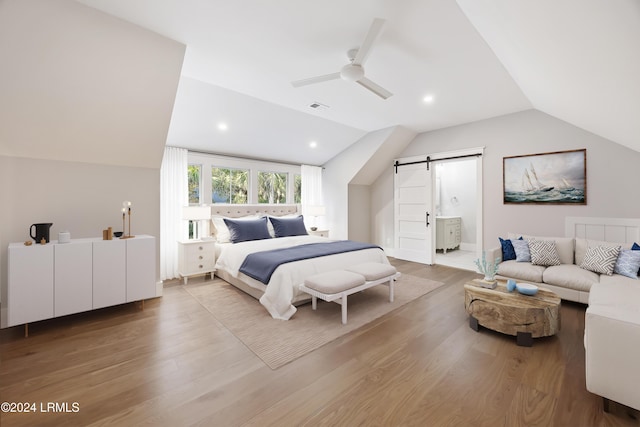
[
  {"x": 526, "y": 288},
  {"x": 117, "y": 234}
]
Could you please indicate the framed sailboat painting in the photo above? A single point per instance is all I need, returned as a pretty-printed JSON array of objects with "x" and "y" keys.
[{"x": 556, "y": 178}]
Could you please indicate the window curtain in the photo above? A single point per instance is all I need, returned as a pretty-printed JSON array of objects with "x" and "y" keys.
[
  {"x": 311, "y": 187},
  {"x": 173, "y": 196}
]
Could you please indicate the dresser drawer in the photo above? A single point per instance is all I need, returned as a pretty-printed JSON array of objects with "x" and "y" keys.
[{"x": 196, "y": 258}]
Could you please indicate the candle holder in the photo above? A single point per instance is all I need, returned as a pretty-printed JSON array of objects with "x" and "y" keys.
[{"x": 126, "y": 207}]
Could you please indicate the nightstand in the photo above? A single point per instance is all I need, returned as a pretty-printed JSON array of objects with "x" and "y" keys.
[
  {"x": 321, "y": 233},
  {"x": 196, "y": 257}
]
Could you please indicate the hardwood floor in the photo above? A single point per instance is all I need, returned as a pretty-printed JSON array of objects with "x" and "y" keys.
[{"x": 173, "y": 364}]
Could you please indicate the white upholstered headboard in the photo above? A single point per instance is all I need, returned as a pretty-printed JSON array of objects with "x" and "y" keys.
[
  {"x": 237, "y": 211},
  {"x": 619, "y": 230}
]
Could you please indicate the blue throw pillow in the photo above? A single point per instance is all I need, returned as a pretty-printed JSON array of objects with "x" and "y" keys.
[
  {"x": 522, "y": 250},
  {"x": 628, "y": 263},
  {"x": 246, "y": 230},
  {"x": 507, "y": 249},
  {"x": 284, "y": 227},
  {"x": 636, "y": 247}
]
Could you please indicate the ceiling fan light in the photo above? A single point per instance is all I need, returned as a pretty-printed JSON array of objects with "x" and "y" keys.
[{"x": 352, "y": 73}]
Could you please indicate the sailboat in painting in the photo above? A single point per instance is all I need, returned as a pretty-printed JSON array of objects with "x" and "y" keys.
[
  {"x": 529, "y": 186},
  {"x": 565, "y": 185}
]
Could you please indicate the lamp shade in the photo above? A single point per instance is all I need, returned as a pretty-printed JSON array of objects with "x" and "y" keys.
[
  {"x": 316, "y": 210},
  {"x": 196, "y": 213}
]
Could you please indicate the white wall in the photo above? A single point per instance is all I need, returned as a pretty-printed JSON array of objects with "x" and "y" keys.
[
  {"x": 359, "y": 202},
  {"x": 611, "y": 170},
  {"x": 338, "y": 173},
  {"x": 80, "y": 85},
  {"x": 458, "y": 194},
  {"x": 359, "y": 164}
]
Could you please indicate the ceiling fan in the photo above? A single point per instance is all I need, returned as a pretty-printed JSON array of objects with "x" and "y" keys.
[{"x": 354, "y": 70}]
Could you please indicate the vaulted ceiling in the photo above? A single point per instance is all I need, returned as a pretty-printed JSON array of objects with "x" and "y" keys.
[{"x": 577, "y": 60}]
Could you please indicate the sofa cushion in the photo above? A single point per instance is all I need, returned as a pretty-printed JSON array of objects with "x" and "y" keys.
[
  {"x": 522, "y": 250},
  {"x": 543, "y": 252},
  {"x": 564, "y": 245},
  {"x": 570, "y": 276},
  {"x": 618, "y": 278},
  {"x": 521, "y": 271},
  {"x": 600, "y": 259},
  {"x": 628, "y": 263},
  {"x": 616, "y": 298}
]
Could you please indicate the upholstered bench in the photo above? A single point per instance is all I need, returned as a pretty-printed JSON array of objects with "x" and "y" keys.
[{"x": 335, "y": 286}]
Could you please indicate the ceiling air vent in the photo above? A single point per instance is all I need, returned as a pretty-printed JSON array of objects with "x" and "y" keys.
[{"x": 318, "y": 106}]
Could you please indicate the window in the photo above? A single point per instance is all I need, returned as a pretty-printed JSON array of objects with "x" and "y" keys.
[
  {"x": 297, "y": 188},
  {"x": 232, "y": 180},
  {"x": 272, "y": 187},
  {"x": 194, "y": 173},
  {"x": 229, "y": 185}
]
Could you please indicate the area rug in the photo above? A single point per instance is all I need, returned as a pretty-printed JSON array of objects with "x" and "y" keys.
[{"x": 278, "y": 342}]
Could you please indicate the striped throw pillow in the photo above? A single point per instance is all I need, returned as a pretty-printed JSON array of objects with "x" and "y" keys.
[
  {"x": 601, "y": 259},
  {"x": 543, "y": 252}
]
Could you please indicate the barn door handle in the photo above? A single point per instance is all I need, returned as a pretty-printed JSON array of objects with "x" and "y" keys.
[{"x": 427, "y": 219}]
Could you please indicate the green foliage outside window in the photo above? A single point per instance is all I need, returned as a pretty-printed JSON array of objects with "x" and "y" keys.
[
  {"x": 229, "y": 185},
  {"x": 297, "y": 189},
  {"x": 193, "y": 178},
  {"x": 272, "y": 187}
]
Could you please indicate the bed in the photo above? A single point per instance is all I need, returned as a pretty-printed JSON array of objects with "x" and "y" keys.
[{"x": 280, "y": 294}]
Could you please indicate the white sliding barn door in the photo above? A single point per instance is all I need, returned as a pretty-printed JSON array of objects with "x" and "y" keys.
[{"x": 413, "y": 213}]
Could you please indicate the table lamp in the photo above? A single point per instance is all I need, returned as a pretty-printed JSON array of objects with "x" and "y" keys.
[{"x": 196, "y": 214}]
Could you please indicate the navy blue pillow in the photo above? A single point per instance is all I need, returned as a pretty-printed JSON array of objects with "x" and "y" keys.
[
  {"x": 284, "y": 227},
  {"x": 635, "y": 247},
  {"x": 247, "y": 229},
  {"x": 508, "y": 252}
]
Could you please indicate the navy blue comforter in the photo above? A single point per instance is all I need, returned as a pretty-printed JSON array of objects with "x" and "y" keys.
[{"x": 261, "y": 265}]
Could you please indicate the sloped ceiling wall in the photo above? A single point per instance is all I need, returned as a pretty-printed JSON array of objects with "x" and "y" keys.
[
  {"x": 577, "y": 60},
  {"x": 79, "y": 85}
]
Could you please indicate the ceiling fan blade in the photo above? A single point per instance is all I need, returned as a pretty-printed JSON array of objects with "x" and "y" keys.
[
  {"x": 375, "y": 88},
  {"x": 374, "y": 32},
  {"x": 318, "y": 79}
]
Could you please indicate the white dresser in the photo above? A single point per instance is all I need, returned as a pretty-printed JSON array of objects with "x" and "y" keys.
[
  {"x": 56, "y": 279},
  {"x": 448, "y": 230},
  {"x": 196, "y": 257}
]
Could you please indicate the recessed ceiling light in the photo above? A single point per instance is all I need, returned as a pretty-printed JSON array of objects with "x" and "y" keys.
[
  {"x": 222, "y": 126},
  {"x": 313, "y": 144},
  {"x": 428, "y": 99}
]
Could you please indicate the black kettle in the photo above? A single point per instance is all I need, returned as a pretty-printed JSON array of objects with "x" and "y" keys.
[{"x": 42, "y": 231}]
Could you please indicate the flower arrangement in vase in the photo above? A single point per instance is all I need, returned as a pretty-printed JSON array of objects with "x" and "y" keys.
[{"x": 489, "y": 270}]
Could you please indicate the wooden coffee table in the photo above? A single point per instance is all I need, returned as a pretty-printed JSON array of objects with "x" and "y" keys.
[{"x": 512, "y": 313}]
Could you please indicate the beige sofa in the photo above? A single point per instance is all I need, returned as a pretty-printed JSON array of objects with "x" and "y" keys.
[
  {"x": 612, "y": 319},
  {"x": 567, "y": 280},
  {"x": 612, "y": 342}
]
